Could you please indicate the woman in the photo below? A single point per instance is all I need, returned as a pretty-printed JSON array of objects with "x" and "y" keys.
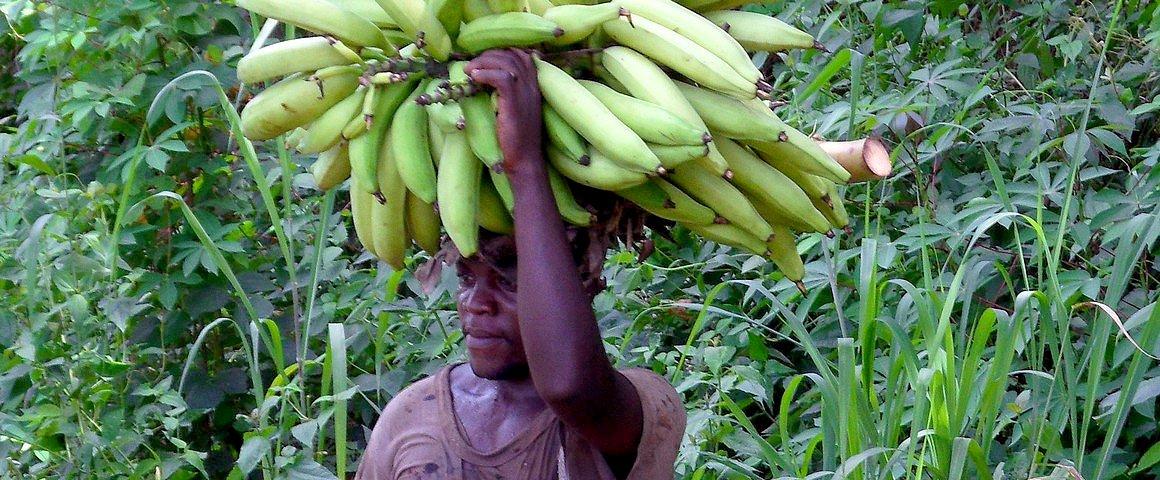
[{"x": 538, "y": 398}]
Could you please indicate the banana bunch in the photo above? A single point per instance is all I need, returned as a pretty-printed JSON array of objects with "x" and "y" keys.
[{"x": 654, "y": 101}]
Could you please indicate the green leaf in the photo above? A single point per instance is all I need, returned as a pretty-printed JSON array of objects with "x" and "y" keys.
[
  {"x": 33, "y": 161},
  {"x": 1150, "y": 458},
  {"x": 253, "y": 449},
  {"x": 837, "y": 63}
]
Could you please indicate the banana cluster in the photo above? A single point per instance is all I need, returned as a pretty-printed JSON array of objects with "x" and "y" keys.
[{"x": 655, "y": 101}]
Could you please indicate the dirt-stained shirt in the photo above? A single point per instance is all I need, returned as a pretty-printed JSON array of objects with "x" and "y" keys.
[{"x": 417, "y": 437}]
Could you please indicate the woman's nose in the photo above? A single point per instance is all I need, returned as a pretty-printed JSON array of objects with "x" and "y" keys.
[{"x": 479, "y": 301}]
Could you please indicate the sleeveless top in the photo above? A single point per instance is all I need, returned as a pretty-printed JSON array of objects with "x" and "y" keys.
[{"x": 418, "y": 437}]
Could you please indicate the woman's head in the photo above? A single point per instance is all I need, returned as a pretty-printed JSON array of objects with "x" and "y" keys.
[{"x": 486, "y": 298}]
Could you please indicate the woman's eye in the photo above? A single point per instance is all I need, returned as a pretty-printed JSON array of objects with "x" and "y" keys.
[{"x": 506, "y": 284}]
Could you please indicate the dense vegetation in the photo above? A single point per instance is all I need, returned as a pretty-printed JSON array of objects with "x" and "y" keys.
[{"x": 993, "y": 315}]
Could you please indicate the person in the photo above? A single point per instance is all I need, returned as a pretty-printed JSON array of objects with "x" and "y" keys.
[{"x": 538, "y": 398}]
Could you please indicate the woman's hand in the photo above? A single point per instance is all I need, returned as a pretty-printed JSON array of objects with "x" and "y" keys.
[{"x": 512, "y": 74}]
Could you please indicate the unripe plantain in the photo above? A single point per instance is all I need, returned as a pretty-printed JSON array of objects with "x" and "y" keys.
[
  {"x": 592, "y": 120},
  {"x": 410, "y": 148},
  {"x": 643, "y": 79},
  {"x": 765, "y": 184},
  {"x": 390, "y": 217},
  {"x": 421, "y": 24},
  {"x": 423, "y": 224},
  {"x": 305, "y": 54},
  {"x": 563, "y": 136},
  {"x": 362, "y": 205},
  {"x": 364, "y": 150},
  {"x": 322, "y": 17},
  {"x": 681, "y": 54},
  {"x": 718, "y": 194},
  {"x": 653, "y": 123},
  {"x": 493, "y": 216},
  {"x": 600, "y": 172},
  {"x": 700, "y": 30},
  {"x": 326, "y": 132},
  {"x": 459, "y": 186},
  {"x": 673, "y": 155},
  {"x": 480, "y": 121},
  {"x": 731, "y": 235},
  {"x": 571, "y": 211},
  {"x": 511, "y": 29},
  {"x": 332, "y": 167},
  {"x": 665, "y": 200},
  {"x": 783, "y": 252},
  {"x": 579, "y": 21},
  {"x": 293, "y": 102},
  {"x": 757, "y": 32}
]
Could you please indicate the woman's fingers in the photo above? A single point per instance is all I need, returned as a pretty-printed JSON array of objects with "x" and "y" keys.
[{"x": 495, "y": 78}]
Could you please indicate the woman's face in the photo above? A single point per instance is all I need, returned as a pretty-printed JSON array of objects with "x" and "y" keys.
[{"x": 486, "y": 301}]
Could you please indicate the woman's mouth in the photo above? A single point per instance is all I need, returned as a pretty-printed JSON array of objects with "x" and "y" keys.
[{"x": 483, "y": 343}]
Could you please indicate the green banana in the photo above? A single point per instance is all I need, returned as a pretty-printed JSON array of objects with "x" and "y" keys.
[
  {"x": 449, "y": 13},
  {"x": 759, "y": 127},
  {"x": 774, "y": 218},
  {"x": 480, "y": 121},
  {"x": 718, "y": 5},
  {"x": 732, "y": 117},
  {"x": 570, "y": 210},
  {"x": 475, "y": 9},
  {"x": 718, "y": 194},
  {"x": 579, "y": 21},
  {"x": 326, "y": 132},
  {"x": 511, "y": 29},
  {"x": 492, "y": 214},
  {"x": 293, "y": 102},
  {"x": 397, "y": 37},
  {"x": 592, "y": 120},
  {"x": 332, "y": 167},
  {"x": 600, "y": 172},
  {"x": 423, "y": 224},
  {"x": 364, "y": 150},
  {"x": 651, "y": 122},
  {"x": 409, "y": 145},
  {"x": 765, "y": 184},
  {"x": 539, "y": 7},
  {"x": 360, "y": 123},
  {"x": 673, "y": 155},
  {"x": 421, "y": 24},
  {"x": 643, "y": 79},
  {"x": 503, "y": 187},
  {"x": 700, "y": 30},
  {"x": 447, "y": 116},
  {"x": 459, "y": 186},
  {"x": 293, "y": 140},
  {"x": 831, "y": 205},
  {"x": 798, "y": 151},
  {"x": 370, "y": 10},
  {"x": 563, "y": 136},
  {"x": 362, "y": 205},
  {"x": 321, "y": 16},
  {"x": 681, "y": 54},
  {"x": 508, "y": 6},
  {"x": 665, "y": 200},
  {"x": 305, "y": 54},
  {"x": 390, "y": 215},
  {"x": 435, "y": 138},
  {"x": 731, "y": 235},
  {"x": 783, "y": 252},
  {"x": 757, "y": 32}
]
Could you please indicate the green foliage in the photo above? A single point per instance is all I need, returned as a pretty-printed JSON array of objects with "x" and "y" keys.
[{"x": 175, "y": 304}]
